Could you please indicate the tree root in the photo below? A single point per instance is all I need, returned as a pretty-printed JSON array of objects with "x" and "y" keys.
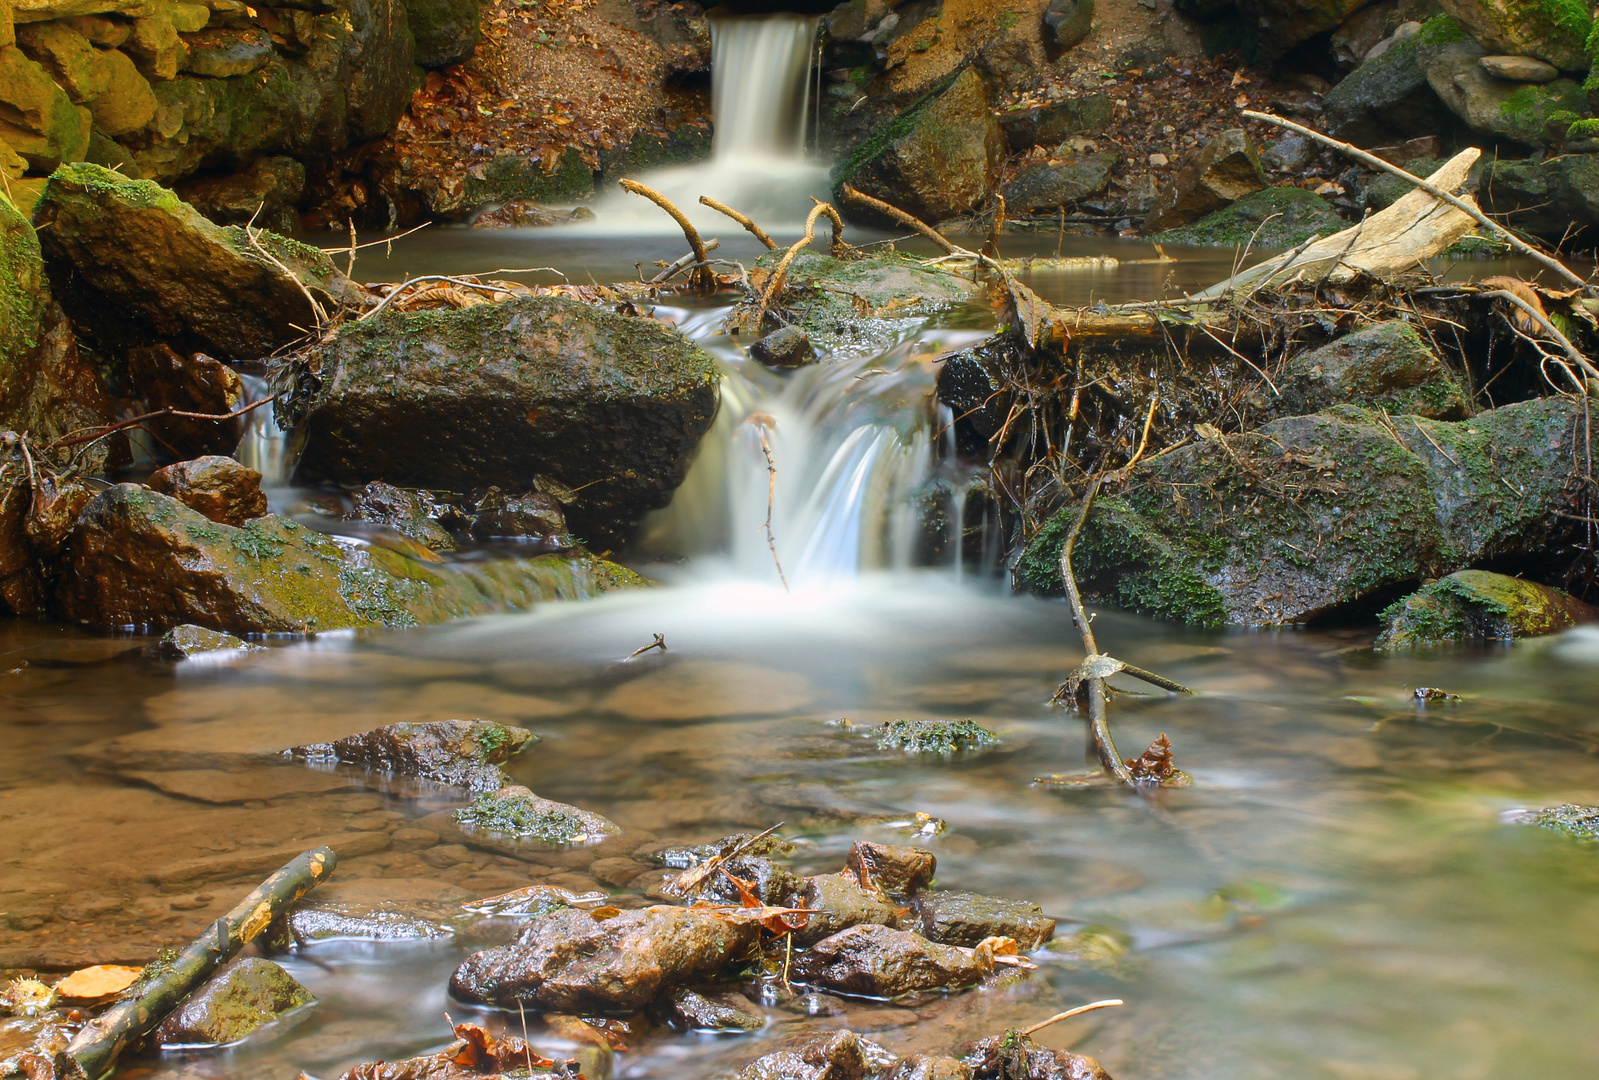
[
  {"x": 703, "y": 277},
  {"x": 754, "y": 229}
]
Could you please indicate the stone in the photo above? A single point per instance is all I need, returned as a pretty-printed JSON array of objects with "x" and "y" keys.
[
  {"x": 931, "y": 1067},
  {"x": 1555, "y": 31},
  {"x": 893, "y": 869},
  {"x": 1065, "y": 180},
  {"x": 1386, "y": 100},
  {"x": 313, "y": 920},
  {"x": 689, "y": 1010},
  {"x": 28, "y": 11},
  {"x": 934, "y": 736},
  {"x": 963, "y": 918},
  {"x": 498, "y": 393},
  {"x": 789, "y": 347},
  {"x": 223, "y": 53},
  {"x": 1049, "y": 125},
  {"x": 878, "y": 962},
  {"x": 190, "y": 642},
  {"x": 164, "y": 379},
  {"x": 12, "y": 164},
  {"x": 1226, "y": 169},
  {"x": 140, "y": 558},
  {"x": 534, "y": 516},
  {"x": 1289, "y": 153},
  {"x": 461, "y": 753},
  {"x": 1067, "y": 23},
  {"x": 1476, "y": 605},
  {"x": 155, "y": 46},
  {"x": 37, "y": 118},
  {"x": 1276, "y": 217},
  {"x": 936, "y": 161},
  {"x": 1001, "y": 1057},
  {"x": 527, "y": 214},
  {"x": 29, "y": 1045},
  {"x": 1375, "y": 504},
  {"x": 1546, "y": 197},
  {"x": 514, "y": 811},
  {"x": 1282, "y": 24},
  {"x": 102, "y": 31},
  {"x": 830, "y": 1055},
  {"x": 1578, "y": 822},
  {"x": 8, "y": 25},
  {"x": 1357, "y": 35},
  {"x": 103, "y": 151},
  {"x": 772, "y": 883},
  {"x": 1386, "y": 365},
  {"x": 585, "y": 963},
  {"x": 127, "y": 103},
  {"x": 218, "y": 487},
  {"x": 409, "y": 513},
  {"x": 133, "y": 263},
  {"x": 267, "y": 192},
  {"x": 840, "y": 902},
  {"x": 76, "y": 66},
  {"x": 238, "y": 1000},
  {"x": 1519, "y": 69},
  {"x": 1520, "y": 112},
  {"x": 446, "y": 31}
]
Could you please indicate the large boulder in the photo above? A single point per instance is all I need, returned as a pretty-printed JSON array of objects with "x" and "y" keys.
[
  {"x": 1276, "y": 217},
  {"x": 1311, "y": 513},
  {"x": 1476, "y": 605},
  {"x": 446, "y": 31},
  {"x": 498, "y": 393},
  {"x": 1387, "y": 100},
  {"x": 37, "y": 117},
  {"x": 1545, "y": 197},
  {"x": 1226, "y": 169},
  {"x": 1552, "y": 30},
  {"x": 586, "y": 963},
  {"x": 238, "y": 1000},
  {"x": 1386, "y": 365},
  {"x": 1282, "y": 24},
  {"x": 140, "y": 558},
  {"x": 935, "y": 161},
  {"x": 132, "y": 263},
  {"x": 1494, "y": 108}
]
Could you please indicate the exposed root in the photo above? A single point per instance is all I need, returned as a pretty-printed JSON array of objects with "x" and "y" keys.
[
  {"x": 701, "y": 278},
  {"x": 754, "y": 229}
]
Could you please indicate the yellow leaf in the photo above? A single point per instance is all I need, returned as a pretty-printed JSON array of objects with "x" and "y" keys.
[{"x": 99, "y": 981}]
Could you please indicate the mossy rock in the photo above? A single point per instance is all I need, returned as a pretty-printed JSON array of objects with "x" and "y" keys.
[
  {"x": 1476, "y": 605},
  {"x": 239, "y": 1000},
  {"x": 1546, "y": 198},
  {"x": 1555, "y": 31},
  {"x": 683, "y": 145},
  {"x": 509, "y": 178},
  {"x": 514, "y": 811},
  {"x": 22, "y": 292},
  {"x": 1385, "y": 189},
  {"x": 1385, "y": 365},
  {"x": 1577, "y": 822},
  {"x": 1387, "y": 100},
  {"x": 1278, "y": 217},
  {"x": 935, "y": 736}
]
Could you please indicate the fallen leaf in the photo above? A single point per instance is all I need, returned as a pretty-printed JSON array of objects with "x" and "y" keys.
[{"x": 101, "y": 980}]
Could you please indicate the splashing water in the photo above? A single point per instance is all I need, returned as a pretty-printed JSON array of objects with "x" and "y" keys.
[{"x": 263, "y": 447}]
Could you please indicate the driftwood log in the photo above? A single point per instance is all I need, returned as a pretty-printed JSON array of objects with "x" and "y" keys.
[{"x": 95, "y": 1049}]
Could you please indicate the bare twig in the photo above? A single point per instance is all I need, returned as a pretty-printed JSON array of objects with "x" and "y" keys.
[
  {"x": 837, "y": 243},
  {"x": 683, "y": 264},
  {"x": 774, "y": 284},
  {"x": 658, "y": 643},
  {"x": 1069, "y": 1013},
  {"x": 907, "y": 220},
  {"x": 1099, "y": 725},
  {"x": 1548, "y": 327},
  {"x": 754, "y": 229},
  {"x": 702, "y": 278},
  {"x": 138, "y": 421},
  {"x": 771, "y": 492}
]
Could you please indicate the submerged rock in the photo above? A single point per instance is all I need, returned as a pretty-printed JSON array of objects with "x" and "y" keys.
[
  {"x": 239, "y": 999},
  {"x": 893, "y": 869},
  {"x": 313, "y": 921},
  {"x": 582, "y": 962},
  {"x": 188, "y": 642},
  {"x": 464, "y": 753},
  {"x": 218, "y": 487},
  {"x": 693, "y": 1011},
  {"x": 789, "y": 347},
  {"x": 516, "y": 811},
  {"x": 1012, "y": 1056},
  {"x": 1277, "y": 217},
  {"x": 963, "y": 918},
  {"x": 1577, "y": 822},
  {"x": 1386, "y": 365},
  {"x": 876, "y": 961},
  {"x": 29, "y": 1044},
  {"x": 1476, "y": 605},
  {"x": 498, "y": 393},
  {"x": 833, "y": 1055},
  {"x": 935, "y": 736}
]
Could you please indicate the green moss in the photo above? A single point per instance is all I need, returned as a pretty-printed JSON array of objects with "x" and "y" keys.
[
  {"x": 255, "y": 542},
  {"x": 22, "y": 292},
  {"x": 1478, "y": 605},
  {"x": 521, "y": 815},
  {"x": 1441, "y": 30},
  {"x": 1577, "y": 822},
  {"x": 897, "y": 128},
  {"x": 1584, "y": 129},
  {"x": 1278, "y": 217},
  {"x": 100, "y": 181},
  {"x": 935, "y": 736}
]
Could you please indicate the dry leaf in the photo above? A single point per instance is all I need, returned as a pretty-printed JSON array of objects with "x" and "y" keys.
[{"x": 102, "y": 980}]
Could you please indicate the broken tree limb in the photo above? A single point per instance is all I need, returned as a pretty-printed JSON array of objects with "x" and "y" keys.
[
  {"x": 683, "y": 264},
  {"x": 754, "y": 229},
  {"x": 702, "y": 277},
  {"x": 774, "y": 284},
  {"x": 1465, "y": 206},
  {"x": 907, "y": 220},
  {"x": 94, "y": 1050},
  {"x": 835, "y": 246}
]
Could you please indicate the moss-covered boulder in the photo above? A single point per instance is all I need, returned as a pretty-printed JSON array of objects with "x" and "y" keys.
[
  {"x": 23, "y": 294},
  {"x": 37, "y": 117},
  {"x": 608, "y": 405},
  {"x": 1277, "y": 217},
  {"x": 446, "y": 31},
  {"x": 515, "y": 811},
  {"x": 132, "y": 263},
  {"x": 241, "y": 998},
  {"x": 1387, "y": 100},
  {"x": 139, "y": 558},
  {"x": 1476, "y": 605},
  {"x": 936, "y": 160},
  {"x": 1386, "y": 365},
  {"x": 1552, "y": 30},
  {"x": 1493, "y": 108},
  {"x": 1544, "y": 197},
  {"x": 1314, "y": 512}
]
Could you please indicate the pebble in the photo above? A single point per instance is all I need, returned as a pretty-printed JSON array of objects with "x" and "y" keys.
[
  {"x": 409, "y": 839},
  {"x": 1159, "y": 161}
]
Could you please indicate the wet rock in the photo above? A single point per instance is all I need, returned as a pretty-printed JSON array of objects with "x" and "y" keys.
[
  {"x": 267, "y": 193},
  {"x": 1553, "y": 32},
  {"x": 1386, "y": 365},
  {"x": 1052, "y": 124},
  {"x": 140, "y": 558},
  {"x": 833, "y": 1055},
  {"x": 572, "y": 961},
  {"x": 446, "y": 31},
  {"x": 1276, "y": 217},
  {"x": 515, "y": 811},
  {"x": 876, "y": 961},
  {"x": 409, "y": 513},
  {"x": 27, "y": 997},
  {"x": 1547, "y": 197},
  {"x": 218, "y": 487},
  {"x": 1067, "y": 179},
  {"x": 240, "y": 998},
  {"x": 134, "y": 264},
  {"x": 1012, "y": 1056},
  {"x": 935, "y": 736},
  {"x": 936, "y": 161},
  {"x": 1288, "y": 153},
  {"x": 1520, "y": 112},
  {"x": 789, "y": 347},
  {"x": 840, "y": 902},
  {"x": 771, "y": 882},
  {"x": 1227, "y": 169},
  {"x": 316, "y": 921},
  {"x": 1476, "y": 605},
  {"x": 29, "y": 1045},
  {"x": 963, "y": 918},
  {"x": 498, "y": 393},
  {"x": 527, "y": 214},
  {"x": 1282, "y": 24},
  {"x": 1519, "y": 69},
  {"x": 463, "y": 753},
  {"x": 1355, "y": 503},
  {"x": 931, "y": 1067},
  {"x": 692, "y": 1011},
  {"x": 225, "y": 53},
  {"x": 189, "y": 642},
  {"x": 1387, "y": 99},
  {"x": 893, "y": 869},
  {"x": 536, "y": 515},
  {"x": 163, "y": 379},
  {"x": 1577, "y": 822},
  {"x": 474, "y": 1054}
]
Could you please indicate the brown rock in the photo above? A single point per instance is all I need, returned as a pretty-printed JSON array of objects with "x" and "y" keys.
[
  {"x": 893, "y": 869},
  {"x": 1001, "y": 1056},
  {"x": 875, "y": 961},
  {"x": 464, "y": 753},
  {"x": 835, "y": 1055},
  {"x": 219, "y": 487},
  {"x": 839, "y": 903},
  {"x": 1227, "y": 169},
  {"x": 963, "y": 918},
  {"x": 163, "y": 379}
]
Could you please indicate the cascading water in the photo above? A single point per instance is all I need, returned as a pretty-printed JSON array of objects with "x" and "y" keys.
[{"x": 263, "y": 447}]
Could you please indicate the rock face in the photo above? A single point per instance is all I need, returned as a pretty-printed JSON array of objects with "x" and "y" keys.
[
  {"x": 140, "y": 558},
  {"x": 132, "y": 264},
  {"x": 1491, "y": 107},
  {"x": 499, "y": 393},
  {"x": 1555, "y": 31},
  {"x": 1313, "y": 512},
  {"x": 936, "y": 161},
  {"x": 1277, "y": 217},
  {"x": 1227, "y": 169},
  {"x": 573, "y": 962},
  {"x": 1386, "y": 100},
  {"x": 218, "y": 487},
  {"x": 1475, "y": 605},
  {"x": 875, "y": 961},
  {"x": 463, "y": 753},
  {"x": 1386, "y": 365},
  {"x": 963, "y": 918},
  {"x": 239, "y": 999}
]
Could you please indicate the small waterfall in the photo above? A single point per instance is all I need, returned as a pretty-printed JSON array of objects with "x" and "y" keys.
[{"x": 264, "y": 447}]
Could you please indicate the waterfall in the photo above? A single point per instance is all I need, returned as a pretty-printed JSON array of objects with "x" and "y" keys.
[{"x": 263, "y": 447}]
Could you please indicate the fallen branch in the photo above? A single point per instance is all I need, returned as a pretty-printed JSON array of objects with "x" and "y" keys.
[
  {"x": 836, "y": 244},
  {"x": 905, "y": 219},
  {"x": 780, "y": 273},
  {"x": 658, "y": 643},
  {"x": 702, "y": 278},
  {"x": 136, "y": 421},
  {"x": 1069, "y": 1013},
  {"x": 1466, "y": 207},
  {"x": 754, "y": 229},
  {"x": 94, "y": 1050},
  {"x": 1549, "y": 328},
  {"x": 683, "y": 264},
  {"x": 771, "y": 492}
]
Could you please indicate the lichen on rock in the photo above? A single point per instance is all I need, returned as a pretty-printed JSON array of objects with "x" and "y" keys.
[{"x": 1477, "y": 605}]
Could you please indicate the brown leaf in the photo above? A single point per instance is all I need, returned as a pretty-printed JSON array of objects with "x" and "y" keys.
[{"x": 101, "y": 980}]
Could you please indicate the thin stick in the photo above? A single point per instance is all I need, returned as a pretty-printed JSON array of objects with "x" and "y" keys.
[
  {"x": 775, "y": 282},
  {"x": 1099, "y": 725},
  {"x": 754, "y": 229},
  {"x": 385, "y": 242},
  {"x": 991, "y": 249},
  {"x": 658, "y": 643},
  {"x": 1069, "y": 1013},
  {"x": 700, "y": 278},
  {"x": 1154, "y": 680},
  {"x": 683, "y": 264},
  {"x": 771, "y": 492},
  {"x": 838, "y": 225},
  {"x": 253, "y": 236},
  {"x": 1467, "y": 208},
  {"x": 138, "y": 421},
  {"x": 1549, "y": 328},
  {"x": 905, "y": 219}
]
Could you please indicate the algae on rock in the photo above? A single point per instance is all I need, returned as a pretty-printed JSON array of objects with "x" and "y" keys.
[
  {"x": 1477, "y": 605},
  {"x": 1275, "y": 217}
]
